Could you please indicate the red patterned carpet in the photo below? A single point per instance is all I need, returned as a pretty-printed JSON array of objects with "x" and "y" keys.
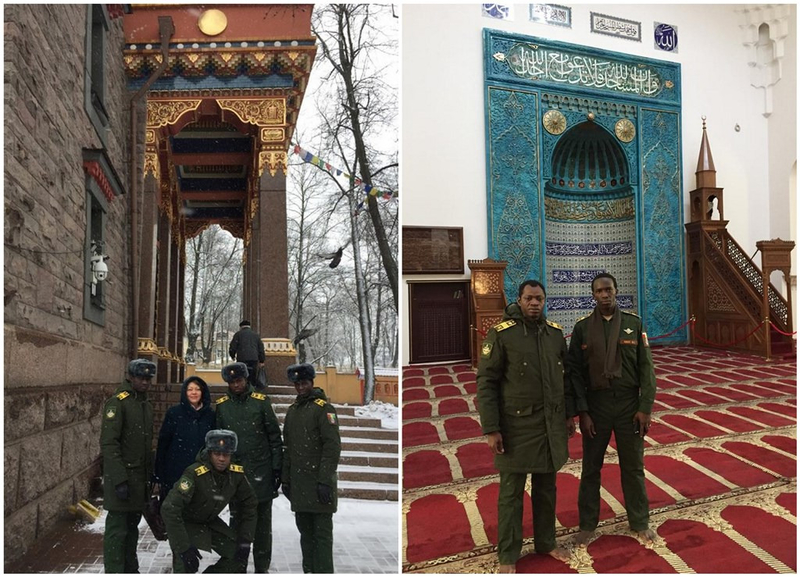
[{"x": 721, "y": 466}]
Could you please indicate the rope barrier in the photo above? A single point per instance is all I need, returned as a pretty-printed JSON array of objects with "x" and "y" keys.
[
  {"x": 781, "y": 332},
  {"x": 712, "y": 343},
  {"x": 691, "y": 320}
]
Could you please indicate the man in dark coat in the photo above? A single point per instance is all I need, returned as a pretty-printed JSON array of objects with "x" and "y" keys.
[
  {"x": 183, "y": 433},
  {"x": 313, "y": 446},
  {"x": 611, "y": 372},
  {"x": 191, "y": 511},
  {"x": 249, "y": 414},
  {"x": 126, "y": 440},
  {"x": 246, "y": 347},
  {"x": 527, "y": 414}
]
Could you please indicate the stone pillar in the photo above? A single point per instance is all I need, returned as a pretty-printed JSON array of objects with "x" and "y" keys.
[
  {"x": 163, "y": 302},
  {"x": 147, "y": 348},
  {"x": 273, "y": 277}
]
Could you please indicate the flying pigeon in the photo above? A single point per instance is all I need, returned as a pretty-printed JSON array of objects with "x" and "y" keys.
[
  {"x": 336, "y": 256},
  {"x": 303, "y": 335}
]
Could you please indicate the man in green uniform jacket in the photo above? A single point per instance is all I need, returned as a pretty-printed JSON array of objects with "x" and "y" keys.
[
  {"x": 527, "y": 414},
  {"x": 313, "y": 446},
  {"x": 249, "y": 414},
  {"x": 126, "y": 443},
  {"x": 611, "y": 372},
  {"x": 191, "y": 510}
]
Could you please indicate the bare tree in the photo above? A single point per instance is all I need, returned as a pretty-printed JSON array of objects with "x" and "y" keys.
[{"x": 214, "y": 262}]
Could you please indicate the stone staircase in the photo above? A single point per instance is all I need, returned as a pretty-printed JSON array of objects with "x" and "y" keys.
[{"x": 368, "y": 468}]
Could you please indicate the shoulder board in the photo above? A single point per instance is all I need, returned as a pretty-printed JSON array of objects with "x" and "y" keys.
[
  {"x": 236, "y": 468},
  {"x": 320, "y": 402},
  {"x": 630, "y": 313},
  {"x": 504, "y": 325},
  {"x": 554, "y": 325},
  {"x": 259, "y": 396},
  {"x": 222, "y": 399},
  {"x": 123, "y": 395},
  {"x": 201, "y": 470}
]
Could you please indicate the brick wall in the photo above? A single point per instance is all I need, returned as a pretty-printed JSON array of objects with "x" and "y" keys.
[{"x": 58, "y": 367}]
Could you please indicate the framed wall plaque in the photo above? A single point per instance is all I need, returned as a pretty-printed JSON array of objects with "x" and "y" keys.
[{"x": 433, "y": 250}]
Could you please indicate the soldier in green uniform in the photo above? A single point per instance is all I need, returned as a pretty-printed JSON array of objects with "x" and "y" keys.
[
  {"x": 249, "y": 414},
  {"x": 126, "y": 443},
  {"x": 527, "y": 414},
  {"x": 191, "y": 510},
  {"x": 313, "y": 446},
  {"x": 611, "y": 372}
]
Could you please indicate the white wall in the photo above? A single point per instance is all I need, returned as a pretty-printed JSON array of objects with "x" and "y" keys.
[{"x": 443, "y": 152}]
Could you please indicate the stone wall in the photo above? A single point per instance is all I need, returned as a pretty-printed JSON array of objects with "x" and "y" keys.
[{"x": 58, "y": 367}]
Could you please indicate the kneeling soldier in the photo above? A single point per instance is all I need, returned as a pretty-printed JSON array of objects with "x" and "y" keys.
[
  {"x": 311, "y": 436},
  {"x": 191, "y": 510}
]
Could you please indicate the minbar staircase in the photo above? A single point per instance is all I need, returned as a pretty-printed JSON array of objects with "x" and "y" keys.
[{"x": 726, "y": 288}]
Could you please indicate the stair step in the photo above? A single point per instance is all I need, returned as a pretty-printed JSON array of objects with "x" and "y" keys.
[
  {"x": 367, "y": 474},
  {"x": 341, "y": 410},
  {"x": 364, "y": 459},
  {"x": 347, "y": 421},
  {"x": 369, "y": 445},
  {"x": 363, "y": 432},
  {"x": 372, "y": 491}
]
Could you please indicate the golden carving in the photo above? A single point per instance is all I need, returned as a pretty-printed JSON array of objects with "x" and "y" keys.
[
  {"x": 163, "y": 353},
  {"x": 625, "y": 130},
  {"x": 279, "y": 348},
  {"x": 253, "y": 207},
  {"x": 261, "y": 112},
  {"x": 259, "y": 56},
  {"x": 166, "y": 112},
  {"x": 272, "y": 159},
  {"x": 147, "y": 346},
  {"x": 487, "y": 282},
  {"x": 149, "y": 136},
  {"x": 212, "y": 22},
  {"x": 554, "y": 122},
  {"x": 615, "y": 209},
  {"x": 272, "y": 134},
  {"x": 152, "y": 165}
]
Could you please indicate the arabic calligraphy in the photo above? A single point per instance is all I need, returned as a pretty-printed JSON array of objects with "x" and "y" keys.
[
  {"x": 665, "y": 37},
  {"x": 591, "y": 211},
  {"x": 551, "y": 14},
  {"x": 537, "y": 63},
  {"x": 589, "y": 249},
  {"x": 574, "y": 276},
  {"x": 613, "y": 26},
  {"x": 584, "y": 303}
]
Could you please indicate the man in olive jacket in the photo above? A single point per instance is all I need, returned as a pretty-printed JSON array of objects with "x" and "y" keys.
[
  {"x": 611, "y": 372},
  {"x": 191, "y": 511},
  {"x": 126, "y": 444},
  {"x": 313, "y": 446},
  {"x": 249, "y": 414},
  {"x": 527, "y": 414}
]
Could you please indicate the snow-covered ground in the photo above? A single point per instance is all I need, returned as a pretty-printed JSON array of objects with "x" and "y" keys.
[
  {"x": 386, "y": 412},
  {"x": 365, "y": 539}
]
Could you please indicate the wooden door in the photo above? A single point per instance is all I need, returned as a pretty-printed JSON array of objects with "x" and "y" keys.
[{"x": 439, "y": 321}]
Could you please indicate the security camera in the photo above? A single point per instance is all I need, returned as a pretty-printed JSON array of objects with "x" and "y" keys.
[{"x": 99, "y": 268}]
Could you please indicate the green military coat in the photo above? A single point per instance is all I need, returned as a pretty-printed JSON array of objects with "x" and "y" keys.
[
  {"x": 191, "y": 509},
  {"x": 126, "y": 444},
  {"x": 521, "y": 393},
  {"x": 638, "y": 376},
  {"x": 260, "y": 449},
  {"x": 313, "y": 446}
]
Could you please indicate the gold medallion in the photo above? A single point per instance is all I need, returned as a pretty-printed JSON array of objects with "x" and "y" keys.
[
  {"x": 212, "y": 22},
  {"x": 554, "y": 122},
  {"x": 625, "y": 130}
]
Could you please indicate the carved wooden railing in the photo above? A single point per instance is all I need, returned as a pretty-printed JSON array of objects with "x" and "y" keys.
[{"x": 750, "y": 276}]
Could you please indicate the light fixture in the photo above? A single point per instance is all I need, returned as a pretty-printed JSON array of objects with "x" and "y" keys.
[{"x": 99, "y": 267}]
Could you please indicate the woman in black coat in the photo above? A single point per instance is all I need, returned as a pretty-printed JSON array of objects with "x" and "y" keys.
[{"x": 183, "y": 433}]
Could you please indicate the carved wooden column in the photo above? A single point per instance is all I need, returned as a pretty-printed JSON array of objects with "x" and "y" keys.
[
  {"x": 181, "y": 311},
  {"x": 175, "y": 311},
  {"x": 163, "y": 297},
  {"x": 147, "y": 348},
  {"x": 776, "y": 254},
  {"x": 488, "y": 300}
]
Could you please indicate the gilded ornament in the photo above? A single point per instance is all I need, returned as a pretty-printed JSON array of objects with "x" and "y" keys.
[
  {"x": 590, "y": 116},
  {"x": 625, "y": 130},
  {"x": 261, "y": 112},
  {"x": 166, "y": 112},
  {"x": 272, "y": 135},
  {"x": 272, "y": 160},
  {"x": 212, "y": 22},
  {"x": 554, "y": 122},
  {"x": 152, "y": 165}
]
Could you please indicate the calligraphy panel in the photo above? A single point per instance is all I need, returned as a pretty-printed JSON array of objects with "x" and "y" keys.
[
  {"x": 514, "y": 188},
  {"x": 527, "y": 59},
  {"x": 433, "y": 250},
  {"x": 664, "y": 290}
]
